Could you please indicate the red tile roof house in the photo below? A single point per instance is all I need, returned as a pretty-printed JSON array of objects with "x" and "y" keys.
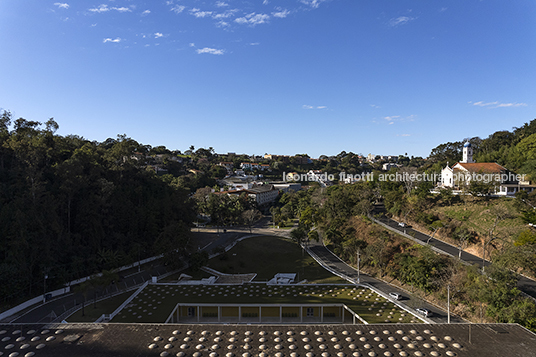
[{"x": 461, "y": 173}]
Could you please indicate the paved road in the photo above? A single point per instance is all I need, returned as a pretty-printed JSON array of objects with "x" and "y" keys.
[
  {"x": 526, "y": 285},
  {"x": 409, "y": 300},
  {"x": 46, "y": 312}
]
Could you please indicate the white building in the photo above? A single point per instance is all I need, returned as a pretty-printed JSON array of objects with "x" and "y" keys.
[
  {"x": 463, "y": 172},
  {"x": 320, "y": 177}
]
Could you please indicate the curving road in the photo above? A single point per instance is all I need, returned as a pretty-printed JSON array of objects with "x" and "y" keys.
[
  {"x": 408, "y": 299},
  {"x": 526, "y": 285}
]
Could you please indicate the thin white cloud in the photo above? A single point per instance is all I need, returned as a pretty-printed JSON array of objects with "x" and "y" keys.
[
  {"x": 116, "y": 40},
  {"x": 221, "y": 4},
  {"x": 375, "y": 106},
  {"x": 101, "y": 8},
  {"x": 146, "y": 12},
  {"x": 281, "y": 13},
  {"x": 222, "y": 23},
  {"x": 401, "y": 20},
  {"x": 225, "y": 14},
  {"x": 199, "y": 13},
  {"x": 104, "y": 8},
  {"x": 254, "y": 44},
  {"x": 178, "y": 9},
  {"x": 397, "y": 118},
  {"x": 158, "y": 35},
  {"x": 265, "y": 2},
  {"x": 312, "y": 3},
  {"x": 498, "y": 104},
  {"x": 253, "y": 19},
  {"x": 212, "y": 51},
  {"x": 61, "y": 5},
  {"x": 403, "y": 134},
  {"x": 305, "y": 106}
]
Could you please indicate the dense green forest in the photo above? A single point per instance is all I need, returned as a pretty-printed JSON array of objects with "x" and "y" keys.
[{"x": 70, "y": 207}]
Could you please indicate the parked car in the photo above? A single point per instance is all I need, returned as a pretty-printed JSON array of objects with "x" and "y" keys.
[
  {"x": 402, "y": 224},
  {"x": 395, "y": 296},
  {"x": 424, "y": 312}
]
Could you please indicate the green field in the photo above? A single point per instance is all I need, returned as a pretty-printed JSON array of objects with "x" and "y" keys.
[
  {"x": 267, "y": 256},
  {"x": 156, "y": 302}
]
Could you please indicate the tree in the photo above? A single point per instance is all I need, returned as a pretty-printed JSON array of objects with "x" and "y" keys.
[
  {"x": 298, "y": 235},
  {"x": 173, "y": 243},
  {"x": 463, "y": 236},
  {"x": 198, "y": 260},
  {"x": 250, "y": 216}
]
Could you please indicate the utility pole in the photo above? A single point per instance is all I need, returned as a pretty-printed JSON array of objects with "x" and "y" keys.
[
  {"x": 45, "y": 288},
  {"x": 139, "y": 259},
  {"x": 358, "y": 264},
  {"x": 448, "y": 304}
]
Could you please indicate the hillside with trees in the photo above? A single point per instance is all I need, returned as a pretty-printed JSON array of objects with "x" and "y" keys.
[{"x": 70, "y": 207}]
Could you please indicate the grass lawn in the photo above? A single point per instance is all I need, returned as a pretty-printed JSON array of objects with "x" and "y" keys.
[
  {"x": 268, "y": 256},
  {"x": 102, "y": 307},
  {"x": 156, "y": 302}
]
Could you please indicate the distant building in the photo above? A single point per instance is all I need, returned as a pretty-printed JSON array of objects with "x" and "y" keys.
[
  {"x": 463, "y": 172},
  {"x": 228, "y": 165},
  {"x": 320, "y": 177},
  {"x": 388, "y": 166},
  {"x": 262, "y": 194}
]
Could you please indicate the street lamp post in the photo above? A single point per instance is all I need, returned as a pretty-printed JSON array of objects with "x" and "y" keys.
[
  {"x": 448, "y": 303},
  {"x": 45, "y": 288},
  {"x": 358, "y": 264}
]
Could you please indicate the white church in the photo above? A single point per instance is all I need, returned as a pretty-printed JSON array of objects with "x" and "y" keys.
[{"x": 466, "y": 170}]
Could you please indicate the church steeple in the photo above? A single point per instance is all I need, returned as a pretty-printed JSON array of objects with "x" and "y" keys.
[{"x": 467, "y": 153}]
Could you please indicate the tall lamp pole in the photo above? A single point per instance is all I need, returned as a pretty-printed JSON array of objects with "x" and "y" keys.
[
  {"x": 358, "y": 264},
  {"x": 448, "y": 304},
  {"x": 45, "y": 288}
]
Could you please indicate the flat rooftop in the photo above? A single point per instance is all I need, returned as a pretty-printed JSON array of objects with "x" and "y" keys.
[{"x": 115, "y": 339}]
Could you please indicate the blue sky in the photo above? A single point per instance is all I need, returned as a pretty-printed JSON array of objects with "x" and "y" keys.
[{"x": 272, "y": 76}]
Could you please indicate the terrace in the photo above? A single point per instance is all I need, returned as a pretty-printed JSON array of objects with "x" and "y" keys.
[{"x": 157, "y": 302}]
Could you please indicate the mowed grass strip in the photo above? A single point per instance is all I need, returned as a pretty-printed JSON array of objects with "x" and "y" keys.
[
  {"x": 267, "y": 256},
  {"x": 93, "y": 312},
  {"x": 156, "y": 302}
]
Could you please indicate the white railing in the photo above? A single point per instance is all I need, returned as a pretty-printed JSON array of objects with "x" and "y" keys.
[{"x": 127, "y": 301}]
